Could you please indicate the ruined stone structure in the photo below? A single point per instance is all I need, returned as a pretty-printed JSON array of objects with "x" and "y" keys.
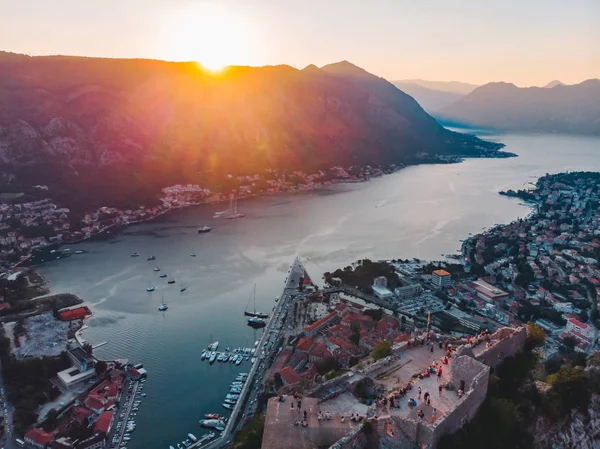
[{"x": 469, "y": 372}]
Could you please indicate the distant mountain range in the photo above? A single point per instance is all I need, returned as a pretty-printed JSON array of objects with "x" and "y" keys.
[
  {"x": 431, "y": 100},
  {"x": 120, "y": 128},
  {"x": 455, "y": 87},
  {"x": 554, "y": 108}
]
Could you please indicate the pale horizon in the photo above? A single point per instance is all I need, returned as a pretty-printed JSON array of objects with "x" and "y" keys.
[{"x": 524, "y": 44}]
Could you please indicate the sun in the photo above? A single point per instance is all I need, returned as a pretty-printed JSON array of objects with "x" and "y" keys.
[{"x": 210, "y": 34}]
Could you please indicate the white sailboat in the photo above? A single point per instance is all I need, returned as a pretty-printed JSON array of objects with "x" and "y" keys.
[{"x": 233, "y": 212}]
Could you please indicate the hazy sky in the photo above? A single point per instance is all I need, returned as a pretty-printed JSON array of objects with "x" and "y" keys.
[{"x": 528, "y": 42}]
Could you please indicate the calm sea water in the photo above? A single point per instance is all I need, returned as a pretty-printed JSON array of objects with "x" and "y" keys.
[{"x": 421, "y": 211}]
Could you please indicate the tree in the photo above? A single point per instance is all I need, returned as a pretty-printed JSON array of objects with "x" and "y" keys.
[
  {"x": 536, "y": 337},
  {"x": 376, "y": 314},
  {"x": 278, "y": 379},
  {"x": 570, "y": 387},
  {"x": 552, "y": 365},
  {"x": 568, "y": 344},
  {"x": 88, "y": 348},
  {"x": 100, "y": 367},
  {"x": 381, "y": 350},
  {"x": 327, "y": 364},
  {"x": 355, "y": 335}
]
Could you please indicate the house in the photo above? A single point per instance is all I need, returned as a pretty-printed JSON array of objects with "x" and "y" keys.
[
  {"x": 305, "y": 344},
  {"x": 37, "y": 438},
  {"x": 289, "y": 376},
  {"x": 96, "y": 403},
  {"x": 80, "y": 414},
  {"x": 314, "y": 328},
  {"x": 104, "y": 423},
  {"x": 586, "y": 330},
  {"x": 318, "y": 353},
  {"x": 61, "y": 443},
  {"x": 94, "y": 442}
]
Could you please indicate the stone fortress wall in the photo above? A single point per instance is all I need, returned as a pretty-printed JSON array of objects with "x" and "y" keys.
[{"x": 469, "y": 371}]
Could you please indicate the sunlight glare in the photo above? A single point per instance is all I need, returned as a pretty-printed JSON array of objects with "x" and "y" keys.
[{"x": 210, "y": 34}]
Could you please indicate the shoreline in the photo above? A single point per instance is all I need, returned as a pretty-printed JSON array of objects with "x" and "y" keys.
[{"x": 498, "y": 154}]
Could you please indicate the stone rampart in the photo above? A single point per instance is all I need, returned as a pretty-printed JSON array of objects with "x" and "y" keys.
[
  {"x": 506, "y": 342},
  {"x": 356, "y": 439},
  {"x": 465, "y": 409}
]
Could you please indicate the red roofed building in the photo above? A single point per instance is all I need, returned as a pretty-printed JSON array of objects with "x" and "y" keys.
[
  {"x": 319, "y": 352},
  {"x": 96, "y": 403},
  {"x": 289, "y": 376},
  {"x": 80, "y": 414},
  {"x": 574, "y": 324},
  {"x": 305, "y": 344},
  {"x": 112, "y": 392},
  {"x": 38, "y": 438},
  {"x": 94, "y": 442},
  {"x": 74, "y": 314},
  {"x": 312, "y": 330},
  {"x": 104, "y": 422}
]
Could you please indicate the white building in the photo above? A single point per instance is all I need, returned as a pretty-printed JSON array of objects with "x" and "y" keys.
[
  {"x": 441, "y": 278},
  {"x": 380, "y": 281},
  {"x": 408, "y": 291},
  {"x": 586, "y": 330},
  {"x": 382, "y": 292}
]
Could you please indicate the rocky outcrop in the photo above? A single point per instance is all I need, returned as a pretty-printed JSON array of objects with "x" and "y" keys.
[{"x": 576, "y": 431}]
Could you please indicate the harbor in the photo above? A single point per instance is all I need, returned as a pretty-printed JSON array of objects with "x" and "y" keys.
[
  {"x": 264, "y": 350},
  {"x": 259, "y": 249}
]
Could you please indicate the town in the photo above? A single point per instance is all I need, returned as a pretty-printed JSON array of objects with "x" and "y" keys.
[
  {"x": 30, "y": 226},
  {"x": 396, "y": 353}
]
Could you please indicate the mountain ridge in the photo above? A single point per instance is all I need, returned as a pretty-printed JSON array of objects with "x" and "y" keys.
[
  {"x": 121, "y": 125},
  {"x": 563, "y": 108}
]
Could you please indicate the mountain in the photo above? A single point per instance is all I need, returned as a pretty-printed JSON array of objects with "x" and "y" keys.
[
  {"x": 551, "y": 84},
  {"x": 109, "y": 130},
  {"x": 503, "y": 106},
  {"x": 455, "y": 87},
  {"x": 431, "y": 100}
]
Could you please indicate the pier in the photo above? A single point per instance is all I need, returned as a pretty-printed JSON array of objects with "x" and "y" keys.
[{"x": 291, "y": 285}]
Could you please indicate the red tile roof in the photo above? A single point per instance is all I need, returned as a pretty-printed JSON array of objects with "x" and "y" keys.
[
  {"x": 578, "y": 323},
  {"x": 103, "y": 422},
  {"x": 80, "y": 413},
  {"x": 74, "y": 314},
  {"x": 320, "y": 351},
  {"x": 305, "y": 344},
  {"x": 95, "y": 402},
  {"x": 321, "y": 322},
  {"x": 38, "y": 436},
  {"x": 289, "y": 376}
]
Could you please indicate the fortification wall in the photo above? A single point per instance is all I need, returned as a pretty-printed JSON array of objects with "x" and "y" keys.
[
  {"x": 356, "y": 439},
  {"x": 464, "y": 410},
  {"x": 507, "y": 342}
]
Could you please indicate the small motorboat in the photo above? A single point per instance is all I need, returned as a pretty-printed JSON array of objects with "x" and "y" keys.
[
  {"x": 163, "y": 275},
  {"x": 156, "y": 268}
]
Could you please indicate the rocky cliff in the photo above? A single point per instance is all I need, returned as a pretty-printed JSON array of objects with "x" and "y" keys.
[{"x": 574, "y": 431}]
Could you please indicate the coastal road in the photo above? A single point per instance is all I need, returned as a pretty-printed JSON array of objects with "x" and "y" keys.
[
  {"x": 259, "y": 368},
  {"x": 127, "y": 410},
  {"x": 8, "y": 440}
]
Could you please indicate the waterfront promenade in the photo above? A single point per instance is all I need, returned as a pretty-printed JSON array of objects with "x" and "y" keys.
[{"x": 263, "y": 354}]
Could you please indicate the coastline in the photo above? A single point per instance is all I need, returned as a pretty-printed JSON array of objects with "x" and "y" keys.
[{"x": 442, "y": 159}]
